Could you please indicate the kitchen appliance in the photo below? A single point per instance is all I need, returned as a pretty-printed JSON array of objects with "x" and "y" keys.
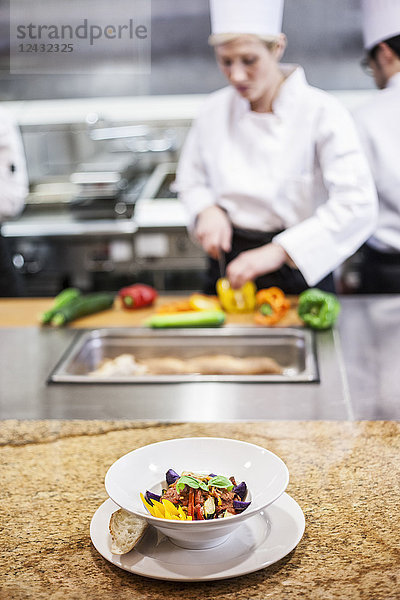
[{"x": 106, "y": 187}]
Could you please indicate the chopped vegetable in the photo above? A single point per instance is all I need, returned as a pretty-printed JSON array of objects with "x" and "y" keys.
[
  {"x": 198, "y": 511},
  {"x": 190, "y": 506},
  {"x": 318, "y": 309},
  {"x": 241, "y": 490},
  {"x": 239, "y": 505},
  {"x": 272, "y": 306},
  {"x": 150, "y": 497},
  {"x": 197, "y": 497},
  {"x": 209, "y": 508},
  {"x": 194, "y": 302},
  {"x": 242, "y": 300},
  {"x": 63, "y": 298},
  {"x": 203, "y": 302},
  {"x": 201, "y": 318},
  {"x": 175, "y": 307},
  {"x": 137, "y": 295},
  {"x": 171, "y": 476},
  {"x": 165, "y": 510}
]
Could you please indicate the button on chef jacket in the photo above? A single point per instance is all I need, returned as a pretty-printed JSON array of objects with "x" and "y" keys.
[
  {"x": 299, "y": 170},
  {"x": 378, "y": 122},
  {"x": 13, "y": 176}
]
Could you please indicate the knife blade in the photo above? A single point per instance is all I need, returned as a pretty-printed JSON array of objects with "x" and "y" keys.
[{"x": 221, "y": 263}]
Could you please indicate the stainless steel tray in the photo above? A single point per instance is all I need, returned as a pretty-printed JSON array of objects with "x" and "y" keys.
[{"x": 294, "y": 349}]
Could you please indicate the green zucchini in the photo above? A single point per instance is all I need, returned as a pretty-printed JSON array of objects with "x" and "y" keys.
[
  {"x": 60, "y": 301},
  {"x": 87, "y": 304},
  {"x": 197, "y": 318}
]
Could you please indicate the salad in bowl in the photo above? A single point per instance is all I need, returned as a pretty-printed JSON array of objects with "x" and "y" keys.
[
  {"x": 199, "y": 508},
  {"x": 197, "y": 497}
]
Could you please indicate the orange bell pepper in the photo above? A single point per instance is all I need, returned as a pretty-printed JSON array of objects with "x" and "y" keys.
[{"x": 272, "y": 306}]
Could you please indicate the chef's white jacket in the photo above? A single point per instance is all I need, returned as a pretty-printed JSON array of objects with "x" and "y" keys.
[
  {"x": 299, "y": 170},
  {"x": 13, "y": 175},
  {"x": 378, "y": 122}
]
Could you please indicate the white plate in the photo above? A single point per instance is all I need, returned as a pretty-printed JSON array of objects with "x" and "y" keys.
[{"x": 259, "y": 542}]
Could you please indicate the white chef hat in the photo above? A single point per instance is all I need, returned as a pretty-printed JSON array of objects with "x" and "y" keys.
[
  {"x": 258, "y": 17},
  {"x": 381, "y": 21}
]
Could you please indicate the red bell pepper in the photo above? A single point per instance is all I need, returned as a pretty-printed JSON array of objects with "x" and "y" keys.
[{"x": 137, "y": 295}]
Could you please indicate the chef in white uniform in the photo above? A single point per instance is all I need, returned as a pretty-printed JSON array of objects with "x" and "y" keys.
[
  {"x": 13, "y": 191},
  {"x": 378, "y": 122},
  {"x": 272, "y": 173}
]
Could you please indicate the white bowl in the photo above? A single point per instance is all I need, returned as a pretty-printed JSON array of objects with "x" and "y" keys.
[{"x": 143, "y": 469}]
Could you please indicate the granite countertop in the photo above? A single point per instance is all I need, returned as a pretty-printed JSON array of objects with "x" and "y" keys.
[{"x": 345, "y": 476}]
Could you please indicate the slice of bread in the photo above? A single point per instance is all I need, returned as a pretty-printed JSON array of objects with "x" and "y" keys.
[{"x": 126, "y": 531}]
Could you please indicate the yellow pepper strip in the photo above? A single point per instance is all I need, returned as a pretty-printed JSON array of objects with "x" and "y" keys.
[
  {"x": 147, "y": 505},
  {"x": 181, "y": 513},
  {"x": 203, "y": 302},
  {"x": 236, "y": 301},
  {"x": 165, "y": 510},
  {"x": 170, "y": 507},
  {"x": 159, "y": 510},
  {"x": 167, "y": 515}
]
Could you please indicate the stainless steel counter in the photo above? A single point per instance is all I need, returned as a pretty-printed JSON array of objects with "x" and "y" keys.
[
  {"x": 64, "y": 225},
  {"x": 362, "y": 386},
  {"x": 28, "y": 355},
  {"x": 370, "y": 337}
]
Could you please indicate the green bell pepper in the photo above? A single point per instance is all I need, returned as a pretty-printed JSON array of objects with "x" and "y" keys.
[{"x": 318, "y": 309}]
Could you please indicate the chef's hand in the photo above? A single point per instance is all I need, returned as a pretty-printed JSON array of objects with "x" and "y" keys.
[
  {"x": 214, "y": 231},
  {"x": 251, "y": 264}
]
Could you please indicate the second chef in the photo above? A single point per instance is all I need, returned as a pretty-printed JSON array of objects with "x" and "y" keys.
[{"x": 272, "y": 172}]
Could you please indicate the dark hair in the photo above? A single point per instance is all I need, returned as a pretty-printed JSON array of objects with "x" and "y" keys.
[{"x": 393, "y": 43}]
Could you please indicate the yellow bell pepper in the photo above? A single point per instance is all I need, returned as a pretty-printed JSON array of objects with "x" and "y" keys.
[
  {"x": 242, "y": 300},
  {"x": 147, "y": 505}
]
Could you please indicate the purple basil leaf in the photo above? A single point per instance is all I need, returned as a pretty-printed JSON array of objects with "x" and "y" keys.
[
  {"x": 240, "y": 506},
  {"x": 212, "y": 475},
  {"x": 241, "y": 490},
  {"x": 150, "y": 496},
  {"x": 171, "y": 476}
]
